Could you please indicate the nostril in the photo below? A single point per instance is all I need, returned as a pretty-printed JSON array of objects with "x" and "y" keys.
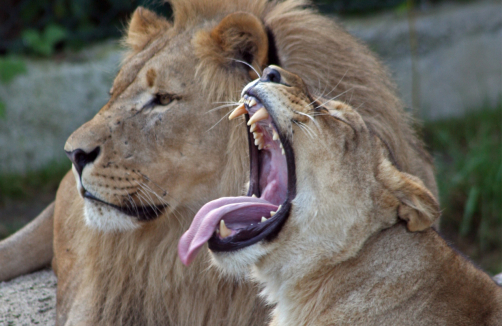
[
  {"x": 271, "y": 75},
  {"x": 81, "y": 158}
]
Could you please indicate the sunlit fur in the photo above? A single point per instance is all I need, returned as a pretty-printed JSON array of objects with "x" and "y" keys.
[
  {"x": 189, "y": 157},
  {"x": 357, "y": 247}
]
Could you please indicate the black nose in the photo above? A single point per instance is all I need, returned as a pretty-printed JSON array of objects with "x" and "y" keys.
[
  {"x": 271, "y": 75},
  {"x": 80, "y": 158}
]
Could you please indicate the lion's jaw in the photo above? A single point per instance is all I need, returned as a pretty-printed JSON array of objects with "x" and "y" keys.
[{"x": 151, "y": 161}]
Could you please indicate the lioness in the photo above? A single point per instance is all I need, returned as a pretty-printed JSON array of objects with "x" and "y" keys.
[
  {"x": 327, "y": 231},
  {"x": 156, "y": 152}
]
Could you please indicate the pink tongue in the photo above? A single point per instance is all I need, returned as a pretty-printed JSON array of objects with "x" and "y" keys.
[{"x": 208, "y": 218}]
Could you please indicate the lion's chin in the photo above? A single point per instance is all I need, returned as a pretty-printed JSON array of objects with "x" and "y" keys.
[
  {"x": 104, "y": 218},
  {"x": 238, "y": 264}
]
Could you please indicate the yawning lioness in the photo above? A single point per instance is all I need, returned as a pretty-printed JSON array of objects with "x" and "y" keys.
[{"x": 326, "y": 226}]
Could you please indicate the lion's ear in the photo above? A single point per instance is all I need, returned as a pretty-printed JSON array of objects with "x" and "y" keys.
[
  {"x": 144, "y": 24},
  {"x": 239, "y": 36},
  {"x": 417, "y": 205}
]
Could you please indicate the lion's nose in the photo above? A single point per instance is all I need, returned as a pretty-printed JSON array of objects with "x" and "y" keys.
[
  {"x": 80, "y": 158},
  {"x": 271, "y": 75}
]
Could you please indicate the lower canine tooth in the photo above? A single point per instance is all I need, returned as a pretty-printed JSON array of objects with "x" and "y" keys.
[
  {"x": 283, "y": 152},
  {"x": 272, "y": 213},
  {"x": 224, "y": 231},
  {"x": 275, "y": 135},
  {"x": 263, "y": 219}
]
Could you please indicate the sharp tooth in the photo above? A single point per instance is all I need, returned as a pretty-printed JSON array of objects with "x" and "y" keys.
[
  {"x": 279, "y": 208},
  {"x": 241, "y": 100},
  {"x": 253, "y": 127},
  {"x": 252, "y": 102},
  {"x": 257, "y": 135},
  {"x": 270, "y": 125},
  {"x": 260, "y": 146},
  {"x": 281, "y": 145},
  {"x": 283, "y": 152},
  {"x": 240, "y": 110},
  {"x": 263, "y": 219},
  {"x": 254, "y": 196},
  {"x": 272, "y": 213},
  {"x": 224, "y": 231},
  {"x": 275, "y": 135},
  {"x": 258, "y": 116},
  {"x": 257, "y": 142}
]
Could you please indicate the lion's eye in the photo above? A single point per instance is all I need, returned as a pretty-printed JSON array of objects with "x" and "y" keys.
[{"x": 163, "y": 99}]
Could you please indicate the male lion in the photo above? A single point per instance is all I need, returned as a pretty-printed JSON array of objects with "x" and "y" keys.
[
  {"x": 157, "y": 151},
  {"x": 327, "y": 232}
]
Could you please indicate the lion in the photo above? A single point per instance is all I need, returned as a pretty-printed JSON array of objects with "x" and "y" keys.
[
  {"x": 335, "y": 233},
  {"x": 159, "y": 149}
]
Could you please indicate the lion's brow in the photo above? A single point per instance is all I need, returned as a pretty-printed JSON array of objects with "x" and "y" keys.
[{"x": 134, "y": 64}]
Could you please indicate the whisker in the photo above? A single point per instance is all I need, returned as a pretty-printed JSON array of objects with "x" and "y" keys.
[
  {"x": 250, "y": 66},
  {"x": 226, "y": 115}
]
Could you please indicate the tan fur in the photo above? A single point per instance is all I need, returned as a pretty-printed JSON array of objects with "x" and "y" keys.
[
  {"x": 186, "y": 157},
  {"x": 344, "y": 256}
]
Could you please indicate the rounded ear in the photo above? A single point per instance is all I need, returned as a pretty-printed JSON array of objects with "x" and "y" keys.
[
  {"x": 143, "y": 26},
  {"x": 239, "y": 36},
  {"x": 417, "y": 205}
]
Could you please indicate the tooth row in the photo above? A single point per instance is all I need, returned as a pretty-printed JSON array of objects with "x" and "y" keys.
[
  {"x": 261, "y": 114},
  {"x": 224, "y": 231}
]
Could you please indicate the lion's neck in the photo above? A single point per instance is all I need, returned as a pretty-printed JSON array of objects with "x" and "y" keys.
[
  {"x": 395, "y": 275},
  {"x": 142, "y": 281}
]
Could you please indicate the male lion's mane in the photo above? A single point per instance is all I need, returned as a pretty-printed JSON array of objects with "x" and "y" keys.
[{"x": 133, "y": 276}]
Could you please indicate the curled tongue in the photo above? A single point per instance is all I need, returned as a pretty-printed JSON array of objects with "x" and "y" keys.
[{"x": 237, "y": 212}]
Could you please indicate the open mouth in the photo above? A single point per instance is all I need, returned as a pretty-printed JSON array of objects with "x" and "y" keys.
[
  {"x": 232, "y": 223},
  {"x": 141, "y": 213}
]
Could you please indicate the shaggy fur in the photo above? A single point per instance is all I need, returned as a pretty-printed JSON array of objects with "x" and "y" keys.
[
  {"x": 183, "y": 156},
  {"x": 346, "y": 255}
]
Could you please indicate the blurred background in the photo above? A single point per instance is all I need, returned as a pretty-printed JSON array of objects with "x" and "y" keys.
[{"x": 58, "y": 59}]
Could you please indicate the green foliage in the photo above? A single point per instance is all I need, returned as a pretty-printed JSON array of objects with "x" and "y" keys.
[
  {"x": 43, "y": 43},
  {"x": 468, "y": 158},
  {"x": 26, "y": 185},
  {"x": 10, "y": 68},
  {"x": 3, "y": 114}
]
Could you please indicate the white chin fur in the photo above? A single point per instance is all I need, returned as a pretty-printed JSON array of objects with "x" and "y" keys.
[
  {"x": 107, "y": 219},
  {"x": 238, "y": 263}
]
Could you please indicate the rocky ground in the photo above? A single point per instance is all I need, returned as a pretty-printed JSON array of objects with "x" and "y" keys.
[{"x": 29, "y": 300}]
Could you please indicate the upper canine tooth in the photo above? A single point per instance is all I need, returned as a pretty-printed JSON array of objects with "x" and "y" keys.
[
  {"x": 275, "y": 135},
  {"x": 224, "y": 231},
  {"x": 258, "y": 116},
  {"x": 240, "y": 110},
  {"x": 263, "y": 219},
  {"x": 252, "y": 102}
]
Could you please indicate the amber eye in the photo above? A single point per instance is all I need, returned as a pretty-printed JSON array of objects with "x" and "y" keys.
[{"x": 163, "y": 99}]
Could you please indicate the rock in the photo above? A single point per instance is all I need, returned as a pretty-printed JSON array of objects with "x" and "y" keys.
[{"x": 29, "y": 300}]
